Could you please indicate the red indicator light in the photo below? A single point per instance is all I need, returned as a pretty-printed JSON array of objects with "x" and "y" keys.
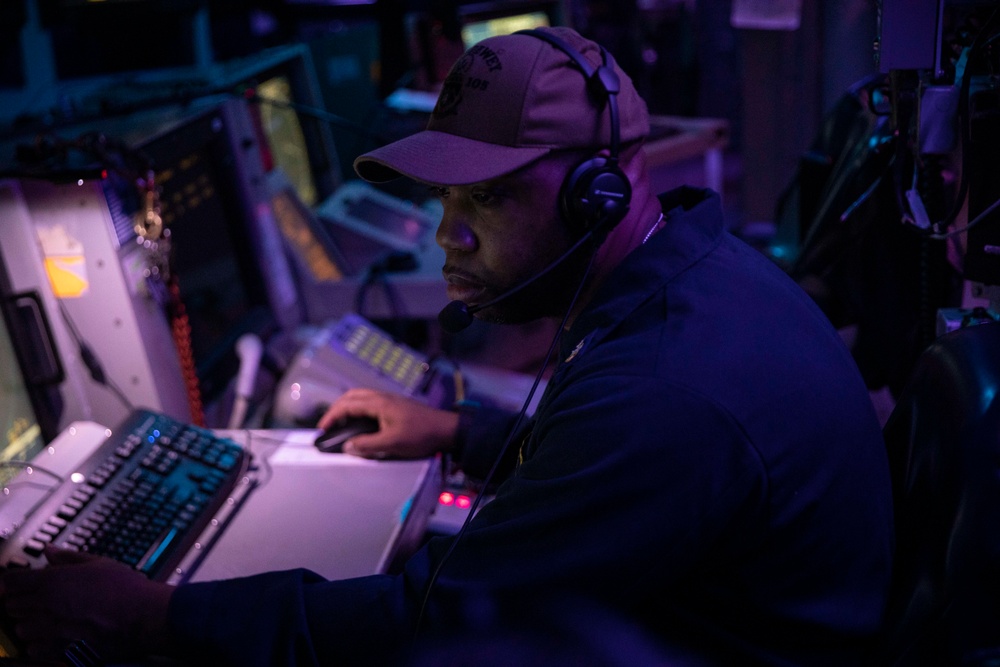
[
  {"x": 464, "y": 502},
  {"x": 446, "y": 498}
]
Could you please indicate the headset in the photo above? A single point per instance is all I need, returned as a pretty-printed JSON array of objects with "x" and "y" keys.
[{"x": 596, "y": 193}]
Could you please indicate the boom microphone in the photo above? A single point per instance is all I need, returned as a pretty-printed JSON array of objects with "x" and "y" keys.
[{"x": 457, "y": 315}]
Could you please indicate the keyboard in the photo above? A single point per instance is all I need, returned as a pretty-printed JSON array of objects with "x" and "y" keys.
[{"x": 143, "y": 497}]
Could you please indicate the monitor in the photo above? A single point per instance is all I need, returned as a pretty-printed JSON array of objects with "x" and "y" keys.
[
  {"x": 437, "y": 37},
  {"x": 290, "y": 117},
  {"x": 477, "y": 27},
  {"x": 25, "y": 429},
  {"x": 219, "y": 258},
  {"x": 286, "y": 143},
  {"x": 125, "y": 337},
  {"x": 22, "y": 434},
  {"x": 350, "y": 63}
]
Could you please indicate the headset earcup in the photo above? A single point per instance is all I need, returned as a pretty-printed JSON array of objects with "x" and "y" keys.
[{"x": 595, "y": 192}]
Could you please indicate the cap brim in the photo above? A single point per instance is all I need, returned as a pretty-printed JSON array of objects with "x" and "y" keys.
[{"x": 443, "y": 159}]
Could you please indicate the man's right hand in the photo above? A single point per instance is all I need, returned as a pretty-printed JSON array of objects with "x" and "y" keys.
[{"x": 407, "y": 428}]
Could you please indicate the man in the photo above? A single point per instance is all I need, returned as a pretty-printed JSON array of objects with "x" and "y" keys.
[{"x": 705, "y": 463}]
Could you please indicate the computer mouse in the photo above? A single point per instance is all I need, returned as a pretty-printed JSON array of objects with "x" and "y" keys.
[{"x": 333, "y": 438}]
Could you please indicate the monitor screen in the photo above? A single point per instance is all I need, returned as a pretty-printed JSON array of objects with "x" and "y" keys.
[
  {"x": 290, "y": 117},
  {"x": 477, "y": 29},
  {"x": 438, "y": 35},
  {"x": 286, "y": 143},
  {"x": 22, "y": 437},
  {"x": 214, "y": 259}
]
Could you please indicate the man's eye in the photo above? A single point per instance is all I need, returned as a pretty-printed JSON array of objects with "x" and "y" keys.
[
  {"x": 485, "y": 198},
  {"x": 438, "y": 191}
]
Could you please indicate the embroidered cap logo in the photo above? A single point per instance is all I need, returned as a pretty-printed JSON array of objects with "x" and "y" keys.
[{"x": 459, "y": 78}]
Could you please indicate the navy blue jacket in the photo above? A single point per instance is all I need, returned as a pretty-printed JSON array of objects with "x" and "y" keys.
[{"x": 705, "y": 463}]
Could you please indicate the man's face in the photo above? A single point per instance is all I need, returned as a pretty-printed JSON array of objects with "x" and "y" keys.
[{"x": 499, "y": 233}]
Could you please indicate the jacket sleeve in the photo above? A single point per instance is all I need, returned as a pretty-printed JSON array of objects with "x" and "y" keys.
[{"x": 483, "y": 432}]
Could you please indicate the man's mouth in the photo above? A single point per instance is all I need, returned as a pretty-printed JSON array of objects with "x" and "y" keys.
[{"x": 462, "y": 286}]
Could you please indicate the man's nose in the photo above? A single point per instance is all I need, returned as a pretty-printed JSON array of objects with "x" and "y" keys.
[{"x": 454, "y": 233}]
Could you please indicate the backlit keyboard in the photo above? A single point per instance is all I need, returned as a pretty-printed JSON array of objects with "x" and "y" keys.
[{"x": 142, "y": 498}]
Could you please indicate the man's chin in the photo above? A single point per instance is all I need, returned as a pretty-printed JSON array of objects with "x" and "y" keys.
[{"x": 502, "y": 315}]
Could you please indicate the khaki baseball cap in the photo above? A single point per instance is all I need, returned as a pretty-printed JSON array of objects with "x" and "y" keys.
[{"x": 506, "y": 102}]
